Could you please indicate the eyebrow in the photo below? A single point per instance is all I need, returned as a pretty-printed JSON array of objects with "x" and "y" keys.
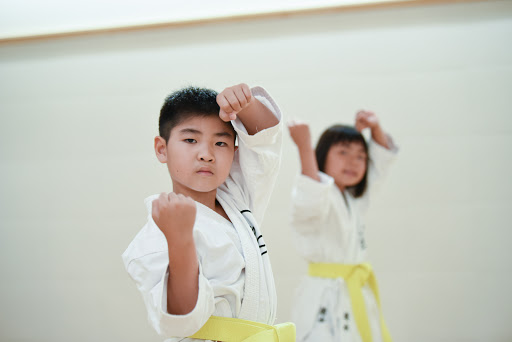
[
  {"x": 195, "y": 131},
  {"x": 359, "y": 149}
]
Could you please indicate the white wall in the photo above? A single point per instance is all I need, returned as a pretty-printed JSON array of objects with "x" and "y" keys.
[{"x": 78, "y": 115}]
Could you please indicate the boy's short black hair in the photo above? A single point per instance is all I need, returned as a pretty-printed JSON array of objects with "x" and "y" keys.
[
  {"x": 184, "y": 104},
  {"x": 342, "y": 134}
]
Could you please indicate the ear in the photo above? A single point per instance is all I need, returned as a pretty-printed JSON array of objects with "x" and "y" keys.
[
  {"x": 161, "y": 149},
  {"x": 236, "y": 148}
]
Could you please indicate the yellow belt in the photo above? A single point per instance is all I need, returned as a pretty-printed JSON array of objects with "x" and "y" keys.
[
  {"x": 355, "y": 277},
  {"x": 237, "y": 330}
]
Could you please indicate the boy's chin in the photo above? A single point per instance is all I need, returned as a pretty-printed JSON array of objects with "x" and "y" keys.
[{"x": 205, "y": 189}]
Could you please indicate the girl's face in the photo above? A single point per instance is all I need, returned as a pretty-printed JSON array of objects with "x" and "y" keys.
[{"x": 346, "y": 163}]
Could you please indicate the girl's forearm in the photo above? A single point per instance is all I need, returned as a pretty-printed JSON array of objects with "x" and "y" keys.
[
  {"x": 309, "y": 163},
  {"x": 380, "y": 137}
]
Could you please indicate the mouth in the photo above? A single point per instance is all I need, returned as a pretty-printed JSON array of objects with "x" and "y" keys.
[
  {"x": 204, "y": 171},
  {"x": 350, "y": 173}
]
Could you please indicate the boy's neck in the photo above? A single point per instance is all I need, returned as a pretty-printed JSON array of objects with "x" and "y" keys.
[{"x": 207, "y": 199}]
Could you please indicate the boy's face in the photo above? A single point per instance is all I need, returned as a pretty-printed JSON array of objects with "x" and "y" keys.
[{"x": 199, "y": 154}]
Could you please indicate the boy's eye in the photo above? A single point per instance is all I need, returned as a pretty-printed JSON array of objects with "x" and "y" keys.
[
  {"x": 190, "y": 141},
  {"x": 221, "y": 143}
]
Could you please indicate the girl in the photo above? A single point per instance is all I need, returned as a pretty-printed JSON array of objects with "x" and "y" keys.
[{"x": 339, "y": 300}]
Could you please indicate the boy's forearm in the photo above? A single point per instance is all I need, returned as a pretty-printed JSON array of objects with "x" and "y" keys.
[
  {"x": 183, "y": 283},
  {"x": 308, "y": 162},
  {"x": 257, "y": 117}
]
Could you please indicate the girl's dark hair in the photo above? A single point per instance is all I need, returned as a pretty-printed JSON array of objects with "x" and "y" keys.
[{"x": 341, "y": 134}]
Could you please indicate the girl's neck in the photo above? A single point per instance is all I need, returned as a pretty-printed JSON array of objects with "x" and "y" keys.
[{"x": 341, "y": 187}]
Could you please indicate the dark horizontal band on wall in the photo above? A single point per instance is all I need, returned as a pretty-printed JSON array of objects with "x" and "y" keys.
[{"x": 232, "y": 18}]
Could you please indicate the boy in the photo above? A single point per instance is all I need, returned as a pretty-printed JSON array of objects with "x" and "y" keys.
[{"x": 201, "y": 255}]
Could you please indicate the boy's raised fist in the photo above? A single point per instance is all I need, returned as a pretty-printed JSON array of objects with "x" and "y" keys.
[
  {"x": 233, "y": 100},
  {"x": 175, "y": 215}
]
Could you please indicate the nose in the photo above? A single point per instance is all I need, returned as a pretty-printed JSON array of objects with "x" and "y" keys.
[
  {"x": 206, "y": 154},
  {"x": 353, "y": 160}
]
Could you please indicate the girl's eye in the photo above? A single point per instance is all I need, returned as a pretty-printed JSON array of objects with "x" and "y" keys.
[
  {"x": 221, "y": 143},
  {"x": 190, "y": 141}
]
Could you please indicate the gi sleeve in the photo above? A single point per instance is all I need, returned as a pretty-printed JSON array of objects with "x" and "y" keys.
[
  {"x": 380, "y": 160},
  {"x": 147, "y": 263},
  {"x": 257, "y": 160},
  {"x": 311, "y": 200}
]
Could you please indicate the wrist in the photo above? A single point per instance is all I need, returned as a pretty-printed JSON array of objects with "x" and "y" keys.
[
  {"x": 182, "y": 254},
  {"x": 180, "y": 241},
  {"x": 377, "y": 130},
  {"x": 305, "y": 148},
  {"x": 247, "y": 108},
  {"x": 380, "y": 137}
]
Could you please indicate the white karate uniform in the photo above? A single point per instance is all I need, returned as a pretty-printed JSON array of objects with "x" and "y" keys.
[
  {"x": 235, "y": 277},
  {"x": 329, "y": 227}
]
